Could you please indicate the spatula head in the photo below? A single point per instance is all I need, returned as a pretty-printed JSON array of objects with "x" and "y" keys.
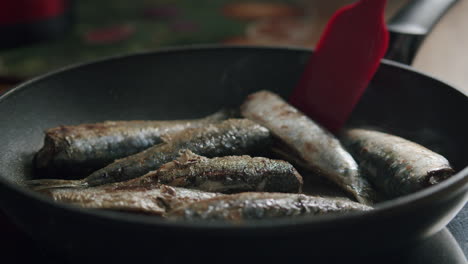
[{"x": 345, "y": 60}]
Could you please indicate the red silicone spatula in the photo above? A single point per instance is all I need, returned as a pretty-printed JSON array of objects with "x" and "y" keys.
[{"x": 345, "y": 59}]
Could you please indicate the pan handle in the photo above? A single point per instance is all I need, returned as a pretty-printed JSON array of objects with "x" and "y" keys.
[{"x": 409, "y": 27}]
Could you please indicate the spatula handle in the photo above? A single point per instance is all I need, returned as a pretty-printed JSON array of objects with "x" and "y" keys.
[{"x": 411, "y": 24}]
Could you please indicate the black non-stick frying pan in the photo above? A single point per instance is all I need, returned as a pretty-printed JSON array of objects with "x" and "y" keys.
[{"x": 193, "y": 82}]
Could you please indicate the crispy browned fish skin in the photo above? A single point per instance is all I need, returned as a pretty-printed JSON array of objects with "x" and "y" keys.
[
  {"x": 71, "y": 151},
  {"x": 228, "y": 174},
  {"x": 319, "y": 149},
  {"x": 255, "y": 206},
  {"x": 152, "y": 199},
  {"x": 230, "y": 137},
  {"x": 395, "y": 165}
]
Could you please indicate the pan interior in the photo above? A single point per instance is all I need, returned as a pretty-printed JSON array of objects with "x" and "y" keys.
[{"x": 197, "y": 82}]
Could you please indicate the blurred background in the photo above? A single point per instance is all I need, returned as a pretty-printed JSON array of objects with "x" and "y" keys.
[{"x": 37, "y": 36}]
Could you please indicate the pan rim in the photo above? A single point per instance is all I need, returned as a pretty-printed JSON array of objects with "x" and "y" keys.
[{"x": 452, "y": 186}]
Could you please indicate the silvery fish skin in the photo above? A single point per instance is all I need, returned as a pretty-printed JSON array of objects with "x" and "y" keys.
[
  {"x": 152, "y": 199},
  {"x": 230, "y": 137},
  {"x": 255, "y": 206},
  {"x": 307, "y": 141},
  {"x": 71, "y": 151},
  {"x": 395, "y": 165},
  {"x": 228, "y": 174}
]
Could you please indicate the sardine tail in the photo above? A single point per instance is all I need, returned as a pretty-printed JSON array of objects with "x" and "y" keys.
[{"x": 44, "y": 184}]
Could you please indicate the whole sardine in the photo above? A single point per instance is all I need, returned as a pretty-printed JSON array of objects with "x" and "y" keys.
[
  {"x": 308, "y": 142},
  {"x": 71, "y": 151},
  {"x": 153, "y": 199},
  {"x": 254, "y": 206},
  {"x": 228, "y": 174},
  {"x": 395, "y": 165},
  {"x": 230, "y": 137}
]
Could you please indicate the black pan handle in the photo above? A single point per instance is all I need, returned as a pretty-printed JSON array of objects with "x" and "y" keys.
[{"x": 409, "y": 27}]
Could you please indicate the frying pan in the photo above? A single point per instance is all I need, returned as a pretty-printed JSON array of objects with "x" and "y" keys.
[{"x": 192, "y": 82}]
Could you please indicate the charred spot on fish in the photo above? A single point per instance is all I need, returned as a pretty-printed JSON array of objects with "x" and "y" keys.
[
  {"x": 92, "y": 126},
  {"x": 310, "y": 147},
  {"x": 169, "y": 190},
  {"x": 60, "y": 129},
  {"x": 285, "y": 112},
  {"x": 280, "y": 107},
  {"x": 256, "y": 115}
]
